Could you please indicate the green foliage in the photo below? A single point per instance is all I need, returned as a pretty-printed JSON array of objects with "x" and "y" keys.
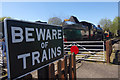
[
  {"x": 55, "y": 21},
  {"x": 113, "y": 26},
  {"x": 2, "y": 18},
  {"x": 105, "y": 23}
]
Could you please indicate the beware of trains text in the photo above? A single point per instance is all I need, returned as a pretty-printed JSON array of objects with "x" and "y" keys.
[{"x": 31, "y": 46}]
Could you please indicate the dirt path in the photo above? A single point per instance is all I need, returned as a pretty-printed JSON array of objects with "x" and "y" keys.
[{"x": 97, "y": 70}]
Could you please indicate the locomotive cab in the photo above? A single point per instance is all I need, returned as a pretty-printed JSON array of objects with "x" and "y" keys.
[{"x": 74, "y": 32}]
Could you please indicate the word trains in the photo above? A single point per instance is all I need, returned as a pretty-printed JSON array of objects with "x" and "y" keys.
[{"x": 52, "y": 53}]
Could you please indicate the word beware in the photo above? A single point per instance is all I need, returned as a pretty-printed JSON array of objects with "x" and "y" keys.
[{"x": 41, "y": 34}]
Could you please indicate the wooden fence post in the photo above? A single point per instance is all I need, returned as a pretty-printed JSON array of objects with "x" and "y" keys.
[
  {"x": 59, "y": 69},
  {"x": 74, "y": 66},
  {"x": 62, "y": 68},
  {"x": 43, "y": 73},
  {"x": 70, "y": 68},
  {"x": 71, "y": 74},
  {"x": 66, "y": 68},
  {"x": 108, "y": 50},
  {"x": 51, "y": 72}
]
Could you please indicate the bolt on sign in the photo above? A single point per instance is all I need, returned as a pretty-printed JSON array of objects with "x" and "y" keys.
[{"x": 31, "y": 46}]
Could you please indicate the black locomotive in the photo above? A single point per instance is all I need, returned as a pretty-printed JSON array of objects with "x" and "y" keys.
[{"x": 76, "y": 31}]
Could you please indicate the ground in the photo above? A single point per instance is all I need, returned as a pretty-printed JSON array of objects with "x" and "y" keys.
[
  {"x": 97, "y": 70},
  {"x": 100, "y": 70}
]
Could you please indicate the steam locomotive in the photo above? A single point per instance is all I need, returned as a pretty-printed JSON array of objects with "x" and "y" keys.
[{"x": 76, "y": 31}]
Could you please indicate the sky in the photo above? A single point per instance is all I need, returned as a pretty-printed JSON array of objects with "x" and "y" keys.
[{"x": 85, "y": 11}]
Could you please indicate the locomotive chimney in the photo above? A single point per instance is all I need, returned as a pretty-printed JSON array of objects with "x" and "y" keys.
[{"x": 99, "y": 26}]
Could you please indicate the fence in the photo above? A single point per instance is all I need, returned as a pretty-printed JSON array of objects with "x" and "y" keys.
[
  {"x": 88, "y": 50},
  {"x": 66, "y": 67},
  {"x": 63, "y": 69}
]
